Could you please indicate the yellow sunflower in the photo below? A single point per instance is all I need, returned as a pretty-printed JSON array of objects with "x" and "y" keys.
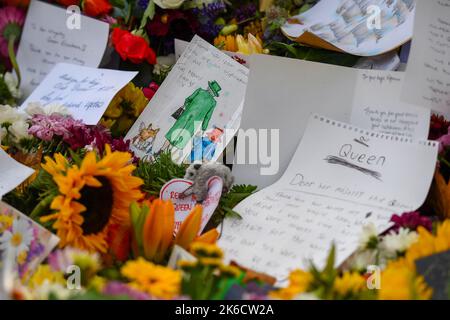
[
  {"x": 399, "y": 282},
  {"x": 92, "y": 197}
]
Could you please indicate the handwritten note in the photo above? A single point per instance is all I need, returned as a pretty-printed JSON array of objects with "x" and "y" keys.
[
  {"x": 12, "y": 173},
  {"x": 377, "y": 106},
  {"x": 201, "y": 98},
  {"x": 427, "y": 81},
  {"x": 285, "y": 103},
  {"x": 340, "y": 178},
  {"x": 181, "y": 45},
  {"x": 46, "y": 40},
  {"x": 85, "y": 92}
]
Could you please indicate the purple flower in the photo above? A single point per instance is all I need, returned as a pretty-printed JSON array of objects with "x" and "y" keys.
[
  {"x": 245, "y": 12},
  {"x": 115, "y": 289},
  {"x": 411, "y": 220}
]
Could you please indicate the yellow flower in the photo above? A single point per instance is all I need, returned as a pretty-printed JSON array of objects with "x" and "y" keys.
[
  {"x": 299, "y": 282},
  {"x": 184, "y": 264},
  {"x": 45, "y": 274},
  {"x": 124, "y": 109},
  {"x": 429, "y": 244},
  {"x": 349, "y": 283},
  {"x": 210, "y": 262},
  {"x": 158, "y": 281},
  {"x": 98, "y": 283},
  {"x": 92, "y": 197},
  {"x": 5, "y": 222},
  {"x": 22, "y": 257},
  {"x": 230, "y": 271},
  {"x": 201, "y": 249},
  {"x": 399, "y": 282},
  {"x": 227, "y": 43}
]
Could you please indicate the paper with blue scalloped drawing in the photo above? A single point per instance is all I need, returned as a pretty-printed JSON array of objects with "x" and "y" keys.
[
  {"x": 340, "y": 178},
  {"x": 364, "y": 27}
]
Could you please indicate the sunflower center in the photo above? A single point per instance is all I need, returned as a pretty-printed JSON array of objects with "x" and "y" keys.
[
  {"x": 98, "y": 203},
  {"x": 16, "y": 239}
]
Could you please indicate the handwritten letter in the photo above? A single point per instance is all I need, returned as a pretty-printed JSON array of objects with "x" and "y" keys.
[
  {"x": 377, "y": 106},
  {"x": 46, "y": 40},
  {"x": 85, "y": 91},
  {"x": 340, "y": 178},
  {"x": 427, "y": 81}
]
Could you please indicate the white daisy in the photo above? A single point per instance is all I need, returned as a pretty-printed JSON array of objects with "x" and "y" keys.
[
  {"x": 395, "y": 244},
  {"x": 369, "y": 237},
  {"x": 19, "y": 239}
]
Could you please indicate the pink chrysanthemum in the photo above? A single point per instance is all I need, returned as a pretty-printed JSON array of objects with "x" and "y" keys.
[{"x": 11, "y": 22}]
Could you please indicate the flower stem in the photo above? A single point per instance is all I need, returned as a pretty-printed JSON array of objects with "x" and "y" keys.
[
  {"x": 12, "y": 57},
  {"x": 43, "y": 205}
]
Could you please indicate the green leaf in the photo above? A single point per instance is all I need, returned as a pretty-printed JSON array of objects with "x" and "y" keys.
[{"x": 149, "y": 13}]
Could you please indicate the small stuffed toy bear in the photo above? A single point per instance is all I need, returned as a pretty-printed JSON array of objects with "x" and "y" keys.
[{"x": 199, "y": 174}]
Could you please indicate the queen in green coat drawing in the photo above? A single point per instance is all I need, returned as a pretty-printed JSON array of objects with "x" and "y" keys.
[{"x": 198, "y": 108}]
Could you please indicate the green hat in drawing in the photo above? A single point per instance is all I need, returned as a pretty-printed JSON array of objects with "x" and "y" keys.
[{"x": 215, "y": 87}]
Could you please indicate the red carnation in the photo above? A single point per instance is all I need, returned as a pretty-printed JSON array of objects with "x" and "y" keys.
[
  {"x": 132, "y": 47},
  {"x": 96, "y": 8}
]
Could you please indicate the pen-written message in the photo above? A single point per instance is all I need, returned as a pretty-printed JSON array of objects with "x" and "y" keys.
[
  {"x": 377, "y": 106},
  {"x": 85, "y": 91},
  {"x": 427, "y": 81},
  {"x": 46, "y": 41}
]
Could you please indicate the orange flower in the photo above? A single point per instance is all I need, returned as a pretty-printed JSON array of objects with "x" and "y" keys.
[
  {"x": 209, "y": 237},
  {"x": 158, "y": 230},
  {"x": 189, "y": 228}
]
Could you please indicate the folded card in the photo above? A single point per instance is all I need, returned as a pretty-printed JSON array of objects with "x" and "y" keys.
[
  {"x": 52, "y": 34},
  {"x": 12, "y": 173},
  {"x": 282, "y": 93},
  {"x": 201, "y": 99},
  {"x": 24, "y": 241},
  {"x": 364, "y": 28},
  {"x": 340, "y": 178},
  {"x": 427, "y": 81},
  {"x": 86, "y": 92}
]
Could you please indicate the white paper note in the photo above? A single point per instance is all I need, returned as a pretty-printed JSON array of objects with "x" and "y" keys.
[
  {"x": 377, "y": 106},
  {"x": 360, "y": 27},
  {"x": 12, "y": 173},
  {"x": 295, "y": 90},
  {"x": 201, "y": 98},
  {"x": 86, "y": 92},
  {"x": 427, "y": 81},
  {"x": 181, "y": 45},
  {"x": 340, "y": 178},
  {"x": 46, "y": 40}
]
